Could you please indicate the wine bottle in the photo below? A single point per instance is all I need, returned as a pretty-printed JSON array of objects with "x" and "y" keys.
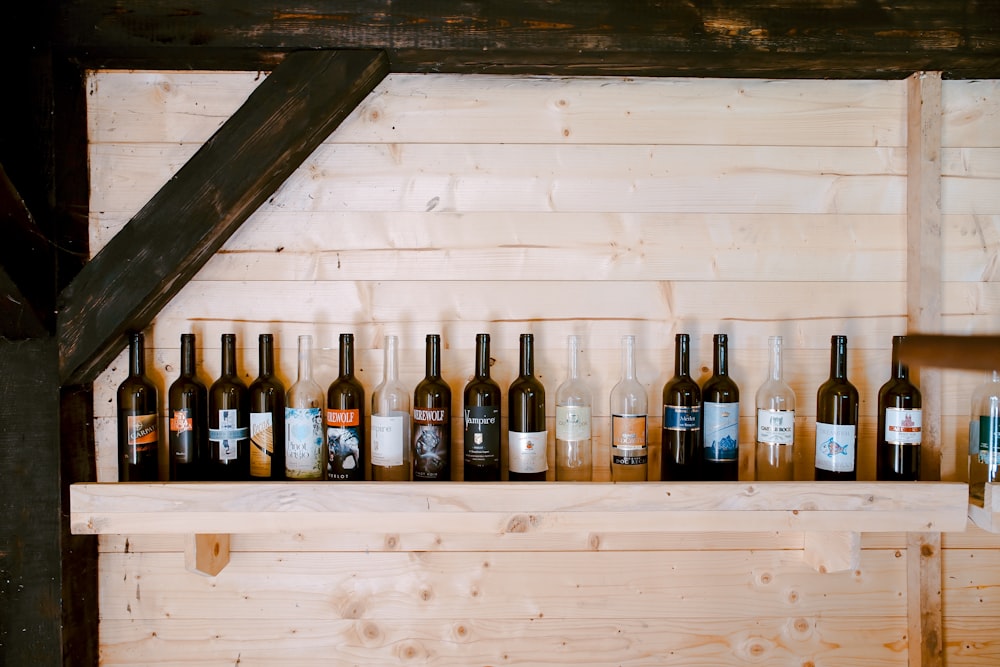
[
  {"x": 138, "y": 419},
  {"x": 527, "y": 437},
  {"x": 629, "y": 449},
  {"x": 574, "y": 461},
  {"x": 837, "y": 420},
  {"x": 229, "y": 420},
  {"x": 187, "y": 403},
  {"x": 305, "y": 457},
  {"x": 984, "y": 436},
  {"x": 681, "y": 456},
  {"x": 481, "y": 420},
  {"x": 775, "y": 422},
  {"x": 390, "y": 422},
  {"x": 432, "y": 419},
  {"x": 345, "y": 419},
  {"x": 267, "y": 416},
  {"x": 721, "y": 413},
  {"x": 899, "y": 424}
]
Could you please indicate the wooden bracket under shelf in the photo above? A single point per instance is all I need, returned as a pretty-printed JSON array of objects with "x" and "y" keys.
[
  {"x": 457, "y": 516},
  {"x": 985, "y": 513}
]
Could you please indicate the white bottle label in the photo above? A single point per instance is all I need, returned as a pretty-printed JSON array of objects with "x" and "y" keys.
[
  {"x": 527, "y": 451},
  {"x": 572, "y": 422},
  {"x": 303, "y": 443},
  {"x": 835, "y": 447},
  {"x": 776, "y": 427},
  {"x": 388, "y": 437},
  {"x": 902, "y": 427},
  {"x": 227, "y": 437}
]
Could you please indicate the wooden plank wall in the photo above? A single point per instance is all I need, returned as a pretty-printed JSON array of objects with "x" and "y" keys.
[{"x": 594, "y": 206}]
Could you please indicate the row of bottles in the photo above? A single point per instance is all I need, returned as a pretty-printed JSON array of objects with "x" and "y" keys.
[{"x": 234, "y": 432}]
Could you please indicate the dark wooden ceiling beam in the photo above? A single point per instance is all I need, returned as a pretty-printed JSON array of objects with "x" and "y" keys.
[
  {"x": 143, "y": 266},
  {"x": 841, "y": 38}
]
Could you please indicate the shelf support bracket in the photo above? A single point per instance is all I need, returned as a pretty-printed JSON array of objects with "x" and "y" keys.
[
  {"x": 830, "y": 551},
  {"x": 207, "y": 553}
]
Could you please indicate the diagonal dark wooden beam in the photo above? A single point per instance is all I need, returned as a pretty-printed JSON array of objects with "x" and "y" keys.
[{"x": 289, "y": 114}]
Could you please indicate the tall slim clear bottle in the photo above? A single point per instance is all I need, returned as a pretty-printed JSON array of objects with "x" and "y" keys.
[
  {"x": 138, "y": 419},
  {"x": 390, "y": 422},
  {"x": 681, "y": 457},
  {"x": 720, "y": 418},
  {"x": 527, "y": 436},
  {"x": 574, "y": 459},
  {"x": 305, "y": 455},
  {"x": 187, "y": 401},
  {"x": 775, "y": 422},
  {"x": 837, "y": 420},
  {"x": 229, "y": 420},
  {"x": 984, "y": 436},
  {"x": 345, "y": 420},
  {"x": 481, "y": 420},
  {"x": 900, "y": 424},
  {"x": 432, "y": 419},
  {"x": 267, "y": 416},
  {"x": 629, "y": 449}
]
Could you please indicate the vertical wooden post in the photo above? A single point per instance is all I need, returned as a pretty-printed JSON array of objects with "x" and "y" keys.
[{"x": 923, "y": 306}]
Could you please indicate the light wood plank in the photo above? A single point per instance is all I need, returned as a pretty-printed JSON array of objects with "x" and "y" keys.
[
  {"x": 971, "y": 116},
  {"x": 438, "y": 585},
  {"x": 206, "y": 554},
  {"x": 925, "y": 620},
  {"x": 719, "y": 640}
]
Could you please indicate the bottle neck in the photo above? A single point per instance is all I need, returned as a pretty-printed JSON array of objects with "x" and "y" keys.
[
  {"x": 720, "y": 362},
  {"x": 682, "y": 355},
  {"x": 229, "y": 354},
  {"x": 346, "y": 354},
  {"x": 573, "y": 348},
  {"x": 838, "y": 358},
  {"x": 265, "y": 350},
  {"x": 305, "y": 358},
  {"x": 775, "y": 368},
  {"x": 432, "y": 361},
  {"x": 628, "y": 357},
  {"x": 187, "y": 354},
  {"x": 391, "y": 372},
  {"x": 136, "y": 355},
  {"x": 482, "y": 356},
  {"x": 527, "y": 355},
  {"x": 900, "y": 371}
]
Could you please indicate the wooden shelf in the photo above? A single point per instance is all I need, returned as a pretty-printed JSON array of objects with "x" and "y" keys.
[
  {"x": 418, "y": 516},
  {"x": 986, "y": 513}
]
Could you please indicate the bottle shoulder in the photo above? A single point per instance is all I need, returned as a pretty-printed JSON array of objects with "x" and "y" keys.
[
  {"x": 574, "y": 391},
  {"x": 681, "y": 385},
  {"x": 720, "y": 387}
]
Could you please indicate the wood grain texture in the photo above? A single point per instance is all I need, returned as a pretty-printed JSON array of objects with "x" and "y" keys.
[{"x": 247, "y": 159}]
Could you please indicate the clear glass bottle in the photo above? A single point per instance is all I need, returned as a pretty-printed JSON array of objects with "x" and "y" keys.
[
  {"x": 629, "y": 449},
  {"x": 390, "y": 422},
  {"x": 984, "y": 436},
  {"x": 574, "y": 459},
  {"x": 775, "y": 422},
  {"x": 305, "y": 457}
]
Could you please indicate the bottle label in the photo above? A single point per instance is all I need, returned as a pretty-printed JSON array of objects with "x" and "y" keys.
[
  {"x": 182, "y": 436},
  {"x": 682, "y": 418},
  {"x": 776, "y": 427},
  {"x": 343, "y": 436},
  {"x": 628, "y": 440},
  {"x": 989, "y": 440},
  {"x": 387, "y": 440},
  {"x": 430, "y": 443},
  {"x": 527, "y": 451},
  {"x": 572, "y": 422},
  {"x": 482, "y": 436},
  {"x": 303, "y": 443},
  {"x": 835, "y": 446},
  {"x": 227, "y": 437},
  {"x": 141, "y": 436},
  {"x": 261, "y": 443},
  {"x": 722, "y": 431},
  {"x": 902, "y": 427}
]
